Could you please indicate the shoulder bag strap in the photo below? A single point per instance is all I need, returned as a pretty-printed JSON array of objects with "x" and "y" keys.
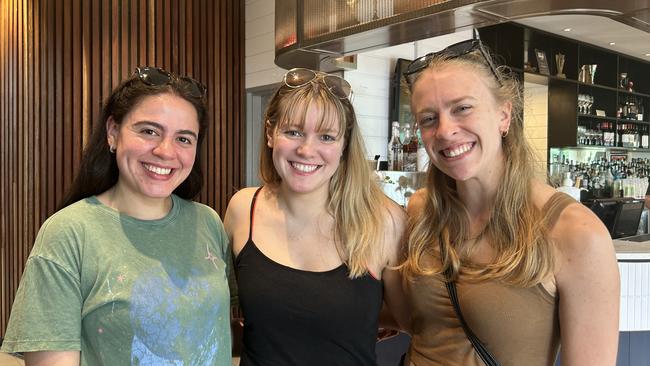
[{"x": 479, "y": 347}]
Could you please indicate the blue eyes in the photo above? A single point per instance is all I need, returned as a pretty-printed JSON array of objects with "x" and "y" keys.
[
  {"x": 429, "y": 120},
  {"x": 292, "y": 133},
  {"x": 297, "y": 134}
]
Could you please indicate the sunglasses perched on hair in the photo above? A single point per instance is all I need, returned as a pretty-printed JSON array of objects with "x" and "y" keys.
[
  {"x": 454, "y": 51},
  {"x": 156, "y": 76},
  {"x": 299, "y": 77}
]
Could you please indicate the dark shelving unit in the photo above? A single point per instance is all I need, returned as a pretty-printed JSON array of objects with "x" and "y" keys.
[{"x": 517, "y": 45}]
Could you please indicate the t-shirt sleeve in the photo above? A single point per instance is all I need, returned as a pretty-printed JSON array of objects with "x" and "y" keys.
[
  {"x": 226, "y": 252},
  {"x": 46, "y": 313}
]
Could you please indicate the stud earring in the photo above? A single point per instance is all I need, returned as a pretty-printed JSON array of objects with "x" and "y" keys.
[
  {"x": 111, "y": 149},
  {"x": 505, "y": 133}
]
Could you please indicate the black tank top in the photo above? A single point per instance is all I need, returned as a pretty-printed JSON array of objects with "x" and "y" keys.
[{"x": 296, "y": 317}]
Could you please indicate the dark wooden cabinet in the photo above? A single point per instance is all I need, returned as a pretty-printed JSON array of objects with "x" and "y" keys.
[{"x": 570, "y": 124}]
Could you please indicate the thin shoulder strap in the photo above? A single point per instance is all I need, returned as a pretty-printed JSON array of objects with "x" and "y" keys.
[
  {"x": 250, "y": 227},
  {"x": 479, "y": 347},
  {"x": 554, "y": 207}
]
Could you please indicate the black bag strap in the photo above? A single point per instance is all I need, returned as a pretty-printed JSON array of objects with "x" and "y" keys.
[{"x": 479, "y": 347}]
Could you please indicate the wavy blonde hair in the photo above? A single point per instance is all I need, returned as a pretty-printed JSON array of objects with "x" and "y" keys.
[
  {"x": 516, "y": 229},
  {"x": 353, "y": 195}
]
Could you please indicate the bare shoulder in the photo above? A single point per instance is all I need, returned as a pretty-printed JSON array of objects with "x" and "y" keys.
[
  {"x": 417, "y": 202},
  {"x": 579, "y": 229},
  {"x": 238, "y": 208},
  {"x": 395, "y": 214},
  {"x": 394, "y": 223}
]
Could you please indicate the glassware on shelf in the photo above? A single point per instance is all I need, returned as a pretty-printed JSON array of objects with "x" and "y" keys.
[
  {"x": 622, "y": 80},
  {"x": 590, "y": 103},
  {"x": 581, "y": 103},
  {"x": 585, "y": 103}
]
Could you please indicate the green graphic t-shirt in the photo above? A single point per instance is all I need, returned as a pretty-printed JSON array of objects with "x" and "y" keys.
[{"x": 126, "y": 291}]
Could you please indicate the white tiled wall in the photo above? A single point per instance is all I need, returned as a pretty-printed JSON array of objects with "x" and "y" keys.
[
  {"x": 260, "y": 44},
  {"x": 536, "y": 124},
  {"x": 371, "y": 85},
  {"x": 635, "y": 296}
]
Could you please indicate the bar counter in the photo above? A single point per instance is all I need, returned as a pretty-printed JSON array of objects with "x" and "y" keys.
[{"x": 634, "y": 266}]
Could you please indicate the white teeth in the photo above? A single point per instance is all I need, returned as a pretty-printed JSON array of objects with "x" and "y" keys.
[
  {"x": 157, "y": 170},
  {"x": 304, "y": 168},
  {"x": 458, "y": 150}
]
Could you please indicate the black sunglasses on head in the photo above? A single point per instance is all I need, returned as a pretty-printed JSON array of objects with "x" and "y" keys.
[
  {"x": 156, "y": 76},
  {"x": 455, "y": 50}
]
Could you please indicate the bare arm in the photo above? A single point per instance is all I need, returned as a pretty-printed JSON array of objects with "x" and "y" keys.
[
  {"x": 52, "y": 358},
  {"x": 395, "y": 300},
  {"x": 589, "y": 289},
  {"x": 393, "y": 280}
]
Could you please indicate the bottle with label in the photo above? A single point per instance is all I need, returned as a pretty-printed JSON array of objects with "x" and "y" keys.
[
  {"x": 568, "y": 188},
  {"x": 395, "y": 149},
  {"x": 410, "y": 149},
  {"x": 423, "y": 157}
]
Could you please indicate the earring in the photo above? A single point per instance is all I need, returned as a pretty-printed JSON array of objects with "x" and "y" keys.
[
  {"x": 505, "y": 133},
  {"x": 111, "y": 149}
]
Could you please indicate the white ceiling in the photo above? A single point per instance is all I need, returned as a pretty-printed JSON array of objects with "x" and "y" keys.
[{"x": 596, "y": 30}]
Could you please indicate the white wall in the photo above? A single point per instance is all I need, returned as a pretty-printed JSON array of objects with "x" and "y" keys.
[
  {"x": 536, "y": 124},
  {"x": 260, "y": 44}
]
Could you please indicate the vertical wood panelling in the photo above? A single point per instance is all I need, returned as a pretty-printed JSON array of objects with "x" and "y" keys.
[{"x": 59, "y": 60}]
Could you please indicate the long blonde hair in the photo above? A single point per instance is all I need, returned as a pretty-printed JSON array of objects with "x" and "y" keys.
[
  {"x": 515, "y": 229},
  {"x": 355, "y": 201}
]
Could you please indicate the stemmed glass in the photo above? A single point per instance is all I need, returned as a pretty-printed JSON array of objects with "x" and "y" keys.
[
  {"x": 590, "y": 103},
  {"x": 581, "y": 103}
]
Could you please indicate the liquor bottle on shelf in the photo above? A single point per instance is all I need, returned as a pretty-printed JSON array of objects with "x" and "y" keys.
[
  {"x": 640, "y": 110},
  {"x": 632, "y": 108},
  {"x": 395, "y": 149},
  {"x": 410, "y": 150},
  {"x": 645, "y": 138},
  {"x": 609, "y": 135}
]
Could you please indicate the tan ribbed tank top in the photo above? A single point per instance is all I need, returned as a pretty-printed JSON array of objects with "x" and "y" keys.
[{"x": 520, "y": 326}]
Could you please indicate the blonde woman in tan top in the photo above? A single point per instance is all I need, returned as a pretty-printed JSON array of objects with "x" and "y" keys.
[{"x": 533, "y": 269}]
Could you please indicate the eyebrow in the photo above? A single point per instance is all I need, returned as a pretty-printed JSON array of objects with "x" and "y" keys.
[{"x": 161, "y": 127}]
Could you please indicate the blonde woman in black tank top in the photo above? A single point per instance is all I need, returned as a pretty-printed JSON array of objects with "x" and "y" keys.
[
  {"x": 531, "y": 267},
  {"x": 314, "y": 246}
]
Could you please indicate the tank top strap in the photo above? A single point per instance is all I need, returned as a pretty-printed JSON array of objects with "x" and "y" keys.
[
  {"x": 554, "y": 207},
  {"x": 250, "y": 227}
]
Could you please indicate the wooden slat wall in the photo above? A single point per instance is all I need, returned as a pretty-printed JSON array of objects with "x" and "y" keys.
[{"x": 59, "y": 59}]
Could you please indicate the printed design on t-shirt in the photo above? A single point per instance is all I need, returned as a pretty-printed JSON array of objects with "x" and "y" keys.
[
  {"x": 212, "y": 258},
  {"x": 174, "y": 319}
]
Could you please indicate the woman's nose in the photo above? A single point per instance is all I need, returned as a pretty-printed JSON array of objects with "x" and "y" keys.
[
  {"x": 446, "y": 127},
  {"x": 164, "y": 149},
  {"x": 306, "y": 147}
]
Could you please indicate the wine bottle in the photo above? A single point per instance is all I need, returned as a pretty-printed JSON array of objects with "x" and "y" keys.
[{"x": 395, "y": 149}]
